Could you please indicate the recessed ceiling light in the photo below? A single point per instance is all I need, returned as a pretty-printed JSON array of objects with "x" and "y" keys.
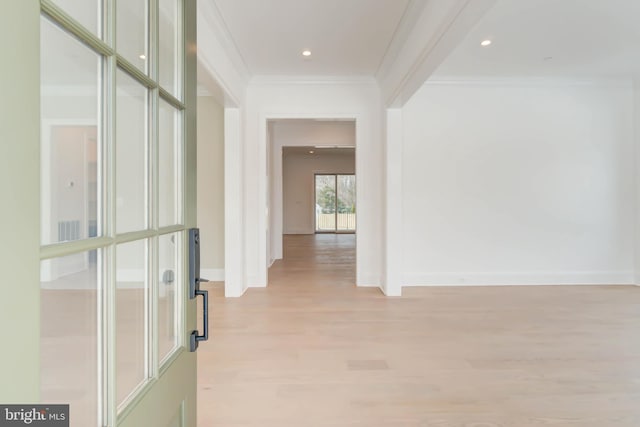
[
  {"x": 485, "y": 43},
  {"x": 311, "y": 151},
  {"x": 306, "y": 53},
  {"x": 143, "y": 56}
]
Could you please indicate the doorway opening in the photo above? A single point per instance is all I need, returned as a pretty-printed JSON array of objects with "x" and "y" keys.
[
  {"x": 335, "y": 207},
  {"x": 312, "y": 197}
]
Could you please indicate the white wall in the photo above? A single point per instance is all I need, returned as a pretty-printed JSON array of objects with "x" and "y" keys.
[
  {"x": 355, "y": 99},
  {"x": 519, "y": 184},
  {"x": 211, "y": 187},
  {"x": 300, "y": 133},
  {"x": 298, "y": 185}
]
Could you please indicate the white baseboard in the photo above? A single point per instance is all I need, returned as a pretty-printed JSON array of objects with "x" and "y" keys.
[
  {"x": 254, "y": 282},
  {"x": 513, "y": 279},
  {"x": 212, "y": 274},
  {"x": 394, "y": 291},
  {"x": 367, "y": 285},
  {"x": 234, "y": 293},
  {"x": 368, "y": 280}
]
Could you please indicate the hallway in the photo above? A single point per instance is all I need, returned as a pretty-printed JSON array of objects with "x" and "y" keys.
[
  {"x": 315, "y": 260},
  {"x": 312, "y": 350}
]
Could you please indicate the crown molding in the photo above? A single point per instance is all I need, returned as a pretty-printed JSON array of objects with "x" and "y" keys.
[
  {"x": 221, "y": 67},
  {"x": 211, "y": 14},
  {"x": 545, "y": 81},
  {"x": 313, "y": 80}
]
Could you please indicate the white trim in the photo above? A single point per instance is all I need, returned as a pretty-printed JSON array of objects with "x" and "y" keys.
[
  {"x": 213, "y": 274},
  {"x": 265, "y": 148},
  {"x": 347, "y": 117},
  {"x": 234, "y": 261},
  {"x": 436, "y": 31},
  {"x": 252, "y": 282},
  {"x": 234, "y": 293},
  {"x": 367, "y": 281},
  {"x": 636, "y": 202},
  {"x": 622, "y": 82},
  {"x": 519, "y": 279},
  {"x": 407, "y": 22},
  {"x": 393, "y": 247},
  {"x": 219, "y": 61},
  {"x": 391, "y": 292},
  {"x": 212, "y": 15},
  {"x": 230, "y": 97},
  {"x": 312, "y": 80}
]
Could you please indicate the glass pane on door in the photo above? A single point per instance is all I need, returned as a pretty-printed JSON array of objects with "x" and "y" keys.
[
  {"x": 346, "y": 201},
  {"x": 131, "y": 154},
  {"x": 169, "y": 51},
  {"x": 70, "y": 325},
  {"x": 325, "y": 202},
  {"x": 71, "y": 143},
  {"x": 168, "y": 164},
  {"x": 131, "y": 318},
  {"x": 131, "y": 32},
  {"x": 168, "y": 294}
]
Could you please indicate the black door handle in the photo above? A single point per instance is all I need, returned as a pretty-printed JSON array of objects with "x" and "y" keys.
[{"x": 195, "y": 337}]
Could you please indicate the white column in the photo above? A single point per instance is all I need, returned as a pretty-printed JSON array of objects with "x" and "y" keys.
[
  {"x": 276, "y": 198},
  {"x": 392, "y": 269},
  {"x": 235, "y": 283}
]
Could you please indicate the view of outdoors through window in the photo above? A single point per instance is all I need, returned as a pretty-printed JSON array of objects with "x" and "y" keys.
[{"x": 335, "y": 203}]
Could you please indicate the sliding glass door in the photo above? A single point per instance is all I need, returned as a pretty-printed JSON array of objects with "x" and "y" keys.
[{"x": 335, "y": 207}]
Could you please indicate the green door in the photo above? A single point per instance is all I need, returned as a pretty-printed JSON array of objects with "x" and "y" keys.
[{"x": 101, "y": 196}]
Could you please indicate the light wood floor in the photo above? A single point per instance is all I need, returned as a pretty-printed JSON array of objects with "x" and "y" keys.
[{"x": 311, "y": 350}]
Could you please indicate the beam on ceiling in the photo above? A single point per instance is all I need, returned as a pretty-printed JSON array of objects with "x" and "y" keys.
[{"x": 428, "y": 32}]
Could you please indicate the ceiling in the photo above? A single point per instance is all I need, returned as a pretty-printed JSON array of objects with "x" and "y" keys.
[
  {"x": 346, "y": 37},
  {"x": 551, "y": 38}
]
